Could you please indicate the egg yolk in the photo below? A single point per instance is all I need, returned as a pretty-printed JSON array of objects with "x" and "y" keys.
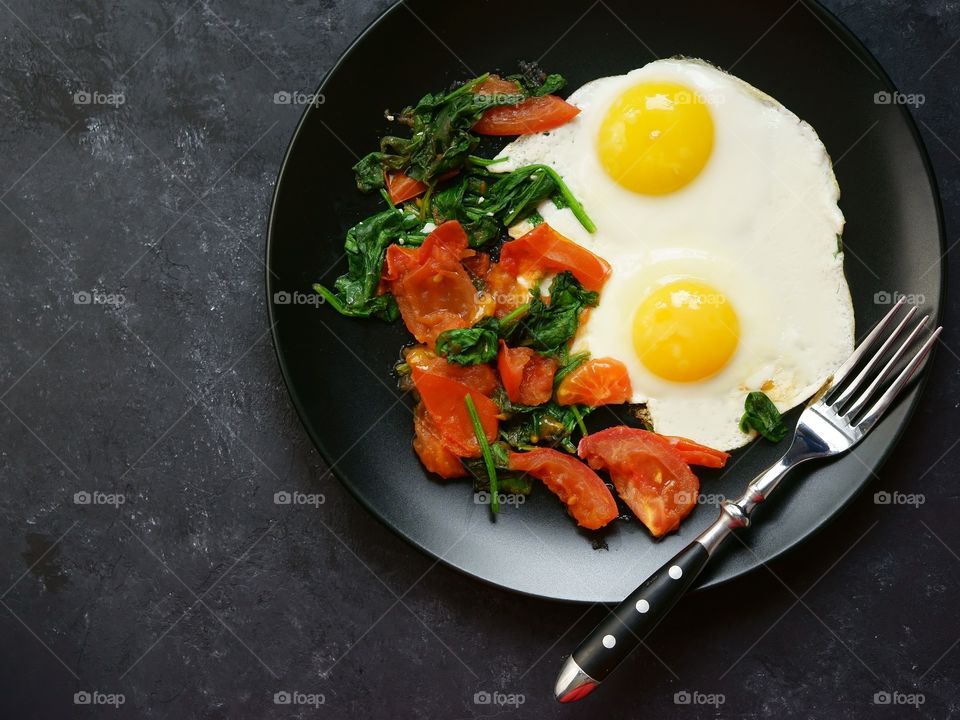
[
  {"x": 656, "y": 138},
  {"x": 685, "y": 331}
]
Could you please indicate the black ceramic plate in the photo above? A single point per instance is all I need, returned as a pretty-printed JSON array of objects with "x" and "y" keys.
[{"x": 338, "y": 369}]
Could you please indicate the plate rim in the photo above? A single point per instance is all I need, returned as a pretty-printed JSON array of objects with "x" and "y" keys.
[{"x": 854, "y": 45}]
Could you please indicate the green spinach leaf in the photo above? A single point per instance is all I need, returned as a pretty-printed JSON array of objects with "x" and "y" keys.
[
  {"x": 548, "y": 328},
  {"x": 471, "y": 346},
  {"x": 762, "y": 415},
  {"x": 549, "y": 425},
  {"x": 355, "y": 292}
]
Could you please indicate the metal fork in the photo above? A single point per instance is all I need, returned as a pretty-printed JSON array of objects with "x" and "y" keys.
[{"x": 841, "y": 414}]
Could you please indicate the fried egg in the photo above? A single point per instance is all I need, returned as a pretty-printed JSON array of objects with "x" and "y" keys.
[{"x": 717, "y": 209}]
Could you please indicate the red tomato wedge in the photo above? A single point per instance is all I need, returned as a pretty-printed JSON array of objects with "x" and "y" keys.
[
  {"x": 526, "y": 375},
  {"x": 398, "y": 262},
  {"x": 433, "y": 452},
  {"x": 433, "y": 290},
  {"x": 481, "y": 378},
  {"x": 586, "y": 496},
  {"x": 650, "y": 476},
  {"x": 533, "y": 115},
  {"x": 693, "y": 453},
  {"x": 401, "y": 187},
  {"x": 543, "y": 248},
  {"x": 505, "y": 290},
  {"x": 444, "y": 401},
  {"x": 601, "y": 381}
]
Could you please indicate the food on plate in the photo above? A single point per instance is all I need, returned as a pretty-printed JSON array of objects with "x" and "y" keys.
[
  {"x": 586, "y": 496},
  {"x": 668, "y": 239},
  {"x": 716, "y": 208}
]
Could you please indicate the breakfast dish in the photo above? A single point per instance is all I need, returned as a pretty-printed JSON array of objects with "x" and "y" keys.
[
  {"x": 338, "y": 369},
  {"x": 668, "y": 238}
]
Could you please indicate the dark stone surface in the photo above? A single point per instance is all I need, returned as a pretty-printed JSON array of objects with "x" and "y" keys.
[{"x": 199, "y": 597}]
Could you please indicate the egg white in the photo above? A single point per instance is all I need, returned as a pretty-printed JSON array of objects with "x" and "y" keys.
[{"x": 760, "y": 223}]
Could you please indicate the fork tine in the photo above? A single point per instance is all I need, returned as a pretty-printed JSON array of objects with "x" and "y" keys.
[
  {"x": 841, "y": 374},
  {"x": 858, "y": 381},
  {"x": 886, "y": 373},
  {"x": 881, "y": 405}
]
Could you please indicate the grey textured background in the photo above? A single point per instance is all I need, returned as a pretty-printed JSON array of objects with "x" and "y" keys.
[{"x": 199, "y": 597}]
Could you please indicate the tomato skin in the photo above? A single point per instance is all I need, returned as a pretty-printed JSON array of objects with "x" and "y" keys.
[
  {"x": 505, "y": 291},
  {"x": 649, "y": 475},
  {"x": 543, "y": 248},
  {"x": 398, "y": 262},
  {"x": 533, "y": 115},
  {"x": 401, "y": 187},
  {"x": 586, "y": 496},
  {"x": 510, "y": 363},
  {"x": 481, "y": 378},
  {"x": 527, "y": 376},
  {"x": 443, "y": 398},
  {"x": 432, "y": 288},
  {"x": 448, "y": 241},
  {"x": 478, "y": 265},
  {"x": 694, "y": 453},
  {"x": 431, "y": 449},
  {"x": 600, "y": 381}
]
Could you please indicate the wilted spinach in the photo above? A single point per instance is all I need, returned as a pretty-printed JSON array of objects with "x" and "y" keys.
[
  {"x": 762, "y": 415},
  {"x": 355, "y": 292},
  {"x": 548, "y": 328}
]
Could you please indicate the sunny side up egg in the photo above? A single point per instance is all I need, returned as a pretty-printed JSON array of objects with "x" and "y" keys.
[{"x": 717, "y": 210}]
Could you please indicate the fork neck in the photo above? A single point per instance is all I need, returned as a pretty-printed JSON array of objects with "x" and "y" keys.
[
  {"x": 736, "y": 514},
  {"x": 761, "y": 486}
]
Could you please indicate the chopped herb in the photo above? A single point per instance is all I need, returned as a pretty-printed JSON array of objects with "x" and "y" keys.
[
  {"x": 485, "y": 452},
  {"x": 839, "y": 250},
  {"x": 762, "y": 415}
]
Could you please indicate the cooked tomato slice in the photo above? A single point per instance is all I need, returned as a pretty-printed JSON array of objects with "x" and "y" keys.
[
  {"x": 543, "y": 248},
  {"x": 433, "y": 452},
  {"x": 533, "y": 115},
  {"x": 601, "y": 381},
  {"x": 694, "y": 453},
  {"x": 448, "y": 241},
  {"x": 586, "y": 496},
  {"x": 537, "y": 385},
  {"x": 481, "y": 378},
  {"x": 401, "y": 187},
  {"x": 505, "y": 290},
  {"x": 651, "y": 476},
  {"x": 510, "y": 364},
  {"x": 433, "y": 290},
  {"x": 399, "y": 262},
  {"x": 526, "y": 375},
  {"x": 444, "y": 400},
  {"x": 478, "y": 265}
]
